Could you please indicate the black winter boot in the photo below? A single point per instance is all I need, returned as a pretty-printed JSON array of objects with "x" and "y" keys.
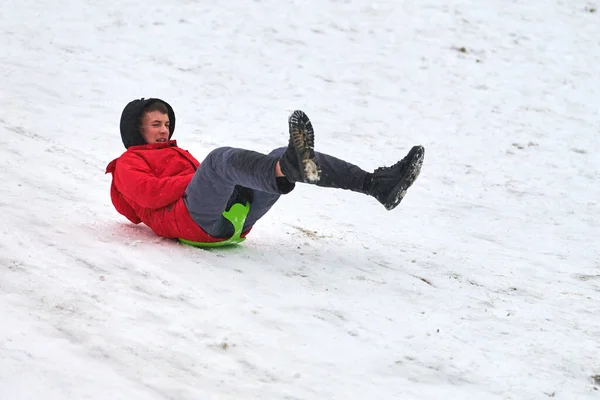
[
  {"x": 389, "y": 184},
  {"x": 299, "y": 162}
]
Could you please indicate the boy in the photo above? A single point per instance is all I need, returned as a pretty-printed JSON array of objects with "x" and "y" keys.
[{"x": 158, "y": 183}]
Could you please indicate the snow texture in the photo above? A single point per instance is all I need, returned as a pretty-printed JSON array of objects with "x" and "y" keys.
[{"x": 483, "y": 284}]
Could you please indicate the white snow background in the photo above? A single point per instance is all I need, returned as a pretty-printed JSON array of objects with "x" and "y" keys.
[{"x": 483, "y": 284}]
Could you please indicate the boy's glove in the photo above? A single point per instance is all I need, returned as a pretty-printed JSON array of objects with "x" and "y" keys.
[{"x": 242, "y": 195}]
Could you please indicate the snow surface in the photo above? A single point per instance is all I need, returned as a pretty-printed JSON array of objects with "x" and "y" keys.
[{"x": 483, "y": 284}]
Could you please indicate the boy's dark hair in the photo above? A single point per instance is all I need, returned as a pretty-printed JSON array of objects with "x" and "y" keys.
[{"x": 155, "y": 106}]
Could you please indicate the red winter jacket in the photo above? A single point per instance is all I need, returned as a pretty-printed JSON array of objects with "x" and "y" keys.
[{"x": 148, "y": 185}]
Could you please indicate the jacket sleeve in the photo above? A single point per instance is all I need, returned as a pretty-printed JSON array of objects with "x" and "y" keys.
[
  {"x": 135, "y": 180},
  {"x": 122, "y": 206}
]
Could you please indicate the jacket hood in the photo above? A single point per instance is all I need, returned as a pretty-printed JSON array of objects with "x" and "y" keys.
[{"x": 130, "y": 121}]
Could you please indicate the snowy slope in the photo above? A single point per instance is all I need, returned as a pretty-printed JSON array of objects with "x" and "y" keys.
[{"x": 483, "y": 284}]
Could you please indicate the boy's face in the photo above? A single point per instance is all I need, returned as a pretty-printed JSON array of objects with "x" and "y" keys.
[{"x": 155, "y": 127}]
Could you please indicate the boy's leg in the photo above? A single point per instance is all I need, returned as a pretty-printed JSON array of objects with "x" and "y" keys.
[
  {"x": 335, "y": 173},
  {"x": 387, "y": 184},
  {"x": 263, "y": 201},
  {"x": 340, "y": 174},
  {"x": 212, "y": 187},
  {"x": 213, "y": 184}
]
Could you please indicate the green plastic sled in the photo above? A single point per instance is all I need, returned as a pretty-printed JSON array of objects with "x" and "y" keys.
[{"x": 237, "y": 216}]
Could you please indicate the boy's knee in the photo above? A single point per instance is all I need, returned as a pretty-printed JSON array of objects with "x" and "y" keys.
[
  {"x": 217, "y": 153},
  {"x": 278, "y": 152}
]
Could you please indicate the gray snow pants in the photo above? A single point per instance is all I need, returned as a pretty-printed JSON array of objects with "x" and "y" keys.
[{"x": 213, "y": 185}]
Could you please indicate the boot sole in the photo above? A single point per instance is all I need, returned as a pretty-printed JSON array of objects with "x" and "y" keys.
[
  {"x": 303, "y": 139},
  {"x": 415, "y": 158}
]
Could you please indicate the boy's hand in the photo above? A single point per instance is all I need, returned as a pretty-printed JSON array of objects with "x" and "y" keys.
[{"x": 242, "y": 195}]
